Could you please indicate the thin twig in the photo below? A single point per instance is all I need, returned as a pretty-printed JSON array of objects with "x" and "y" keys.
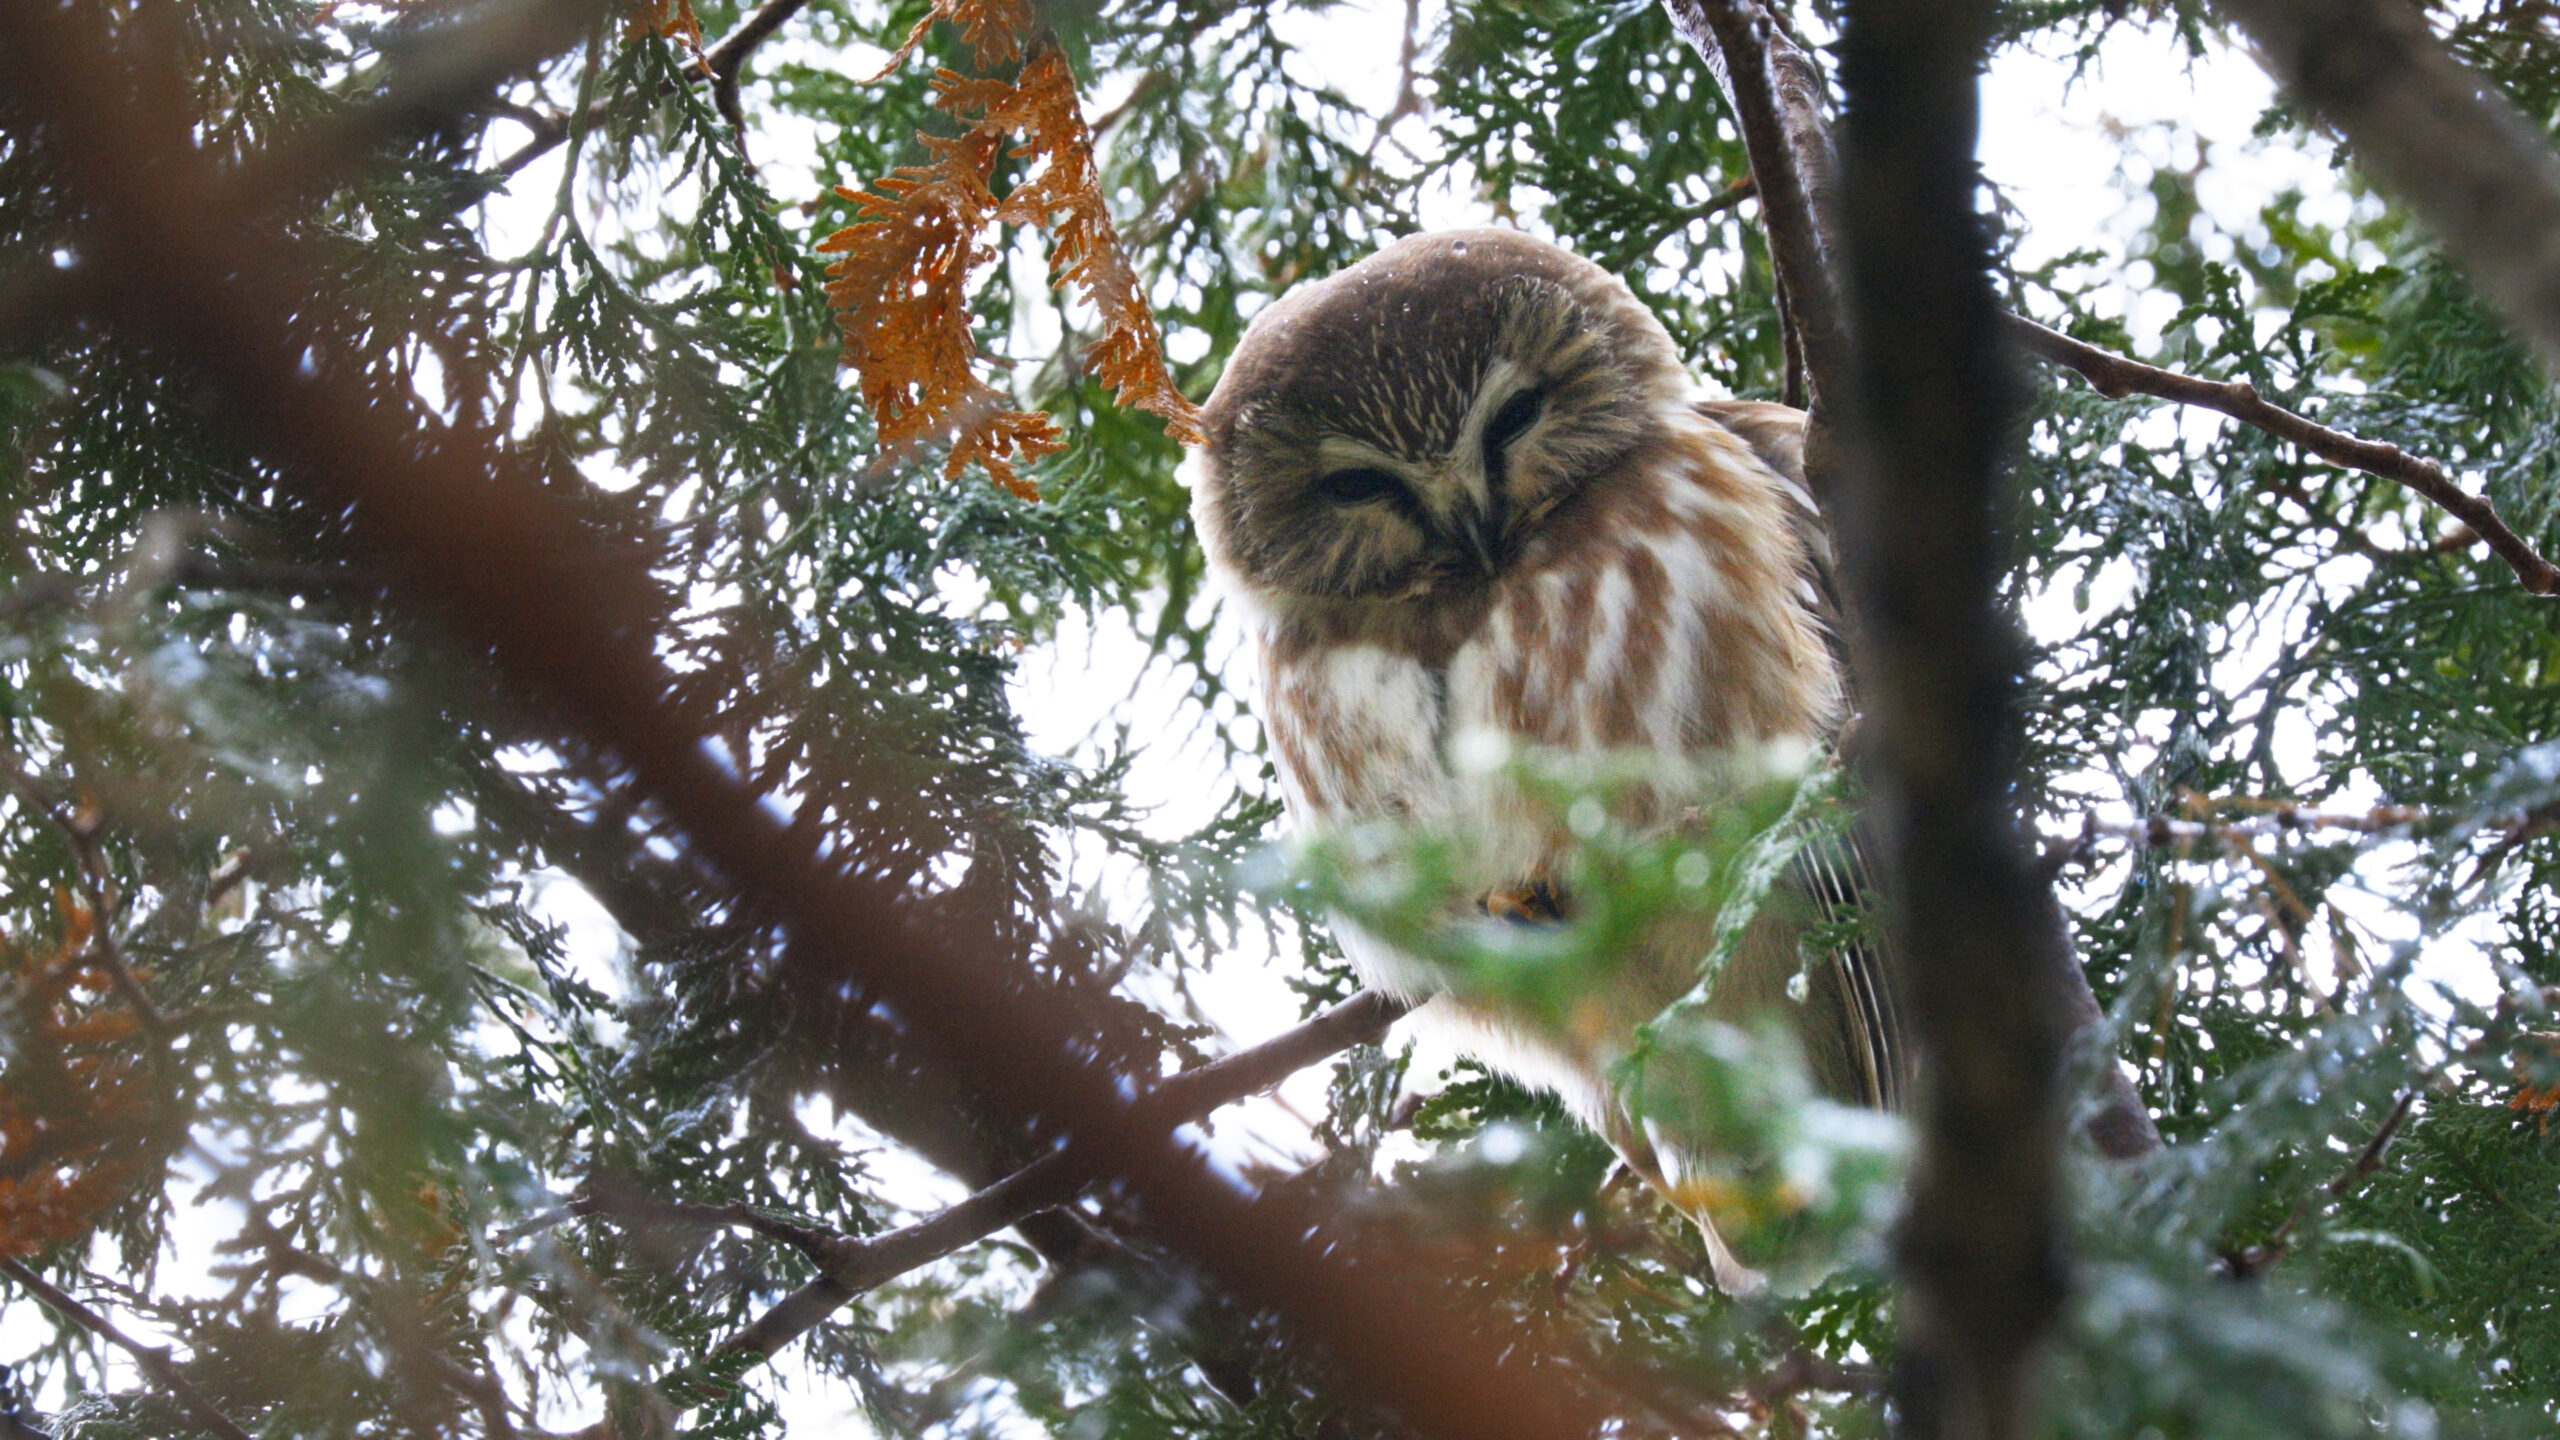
[
  {"x": 2242, "y": 1264},
  {"x": 155, "y": 1362},
  {"x": 728, "y": 60},
  {"x": 2116, "y": 376},
  {"x": 724, "y": 64},
  {"x": 1714, "y": 205},
  {"x": 618, "y": 1201}
]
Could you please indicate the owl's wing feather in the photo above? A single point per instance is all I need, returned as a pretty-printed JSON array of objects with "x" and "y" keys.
[
  {"x": 1775, "y": 433},
  {"x": 1834, "y": 875}
]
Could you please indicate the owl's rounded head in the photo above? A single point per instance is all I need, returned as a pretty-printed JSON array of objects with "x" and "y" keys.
[{"x": 1403, "y": 428}]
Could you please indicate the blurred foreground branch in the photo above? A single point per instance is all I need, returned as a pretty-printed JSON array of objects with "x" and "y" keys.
[
  {"x": 153, "y": 1360},
  {"x": 2436, "y": 136},
  {"x": 1987, "y": 959}
]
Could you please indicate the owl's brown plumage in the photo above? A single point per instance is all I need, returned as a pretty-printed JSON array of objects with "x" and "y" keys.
[{"x": 1465, "y": 491}]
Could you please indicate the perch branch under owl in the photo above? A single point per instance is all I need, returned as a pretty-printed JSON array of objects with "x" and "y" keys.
[{"x": 851, "y": 1265}]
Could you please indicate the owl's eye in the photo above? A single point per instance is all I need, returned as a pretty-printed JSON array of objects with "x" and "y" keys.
[
  {"x": 1514, "y": 419},
  {"x": 1357, "y": 487}
]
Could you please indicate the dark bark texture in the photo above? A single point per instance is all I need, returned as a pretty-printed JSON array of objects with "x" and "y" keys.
[{"x": 1981, "y": 1240}]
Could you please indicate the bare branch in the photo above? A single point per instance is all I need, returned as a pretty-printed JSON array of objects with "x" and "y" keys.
[
  {"x": 2434, "y": 135},
  {"x": 621, "y": 1201},
  {"x": 2116, "y": 376},
  {"x": 727, "y": 61},
  {"x": 155, "y": 1362}
]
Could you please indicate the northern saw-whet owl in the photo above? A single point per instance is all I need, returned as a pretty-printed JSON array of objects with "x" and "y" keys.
[{"x": 1465, "y": 491}]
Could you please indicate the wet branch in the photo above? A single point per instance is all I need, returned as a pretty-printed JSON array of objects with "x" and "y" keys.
[{"x": 2116, "y": 376}]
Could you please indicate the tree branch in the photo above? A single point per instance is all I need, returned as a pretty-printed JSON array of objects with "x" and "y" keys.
[
  {"x": 1987, "y": 962},
  {"x": 2116, "y": 376},
  {"x": 2242, "y": 1264},
  {"x": 2434, "y": 135},
  {"x": 1777, "y": 98},
  {"x": 155, "y": 1362},
  {"x": 727, "y": 61},
  {"x": 853, "y": 1265}
]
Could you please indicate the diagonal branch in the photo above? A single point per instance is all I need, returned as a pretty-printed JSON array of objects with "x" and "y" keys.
[
  {"x": 728, "y": 59},
  {"x": 2116, "y": 376},
  {"x": 854, "y": 1265},
  {"x": 155, "y": 1362},
  {"x": 2242, "y": 1264}
]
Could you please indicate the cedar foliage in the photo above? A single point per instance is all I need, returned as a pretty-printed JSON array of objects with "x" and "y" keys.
[
  {"x": 367, "y": 1179},
  {"x": 902, "y": 289}
]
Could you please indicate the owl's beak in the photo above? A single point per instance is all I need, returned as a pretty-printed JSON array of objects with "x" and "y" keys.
[{"x": 1484, "y": 538}]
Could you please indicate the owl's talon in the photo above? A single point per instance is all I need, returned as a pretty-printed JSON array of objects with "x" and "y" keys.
[{"x": 1532, "y": 904}]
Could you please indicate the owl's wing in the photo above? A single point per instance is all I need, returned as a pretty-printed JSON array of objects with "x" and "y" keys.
[
  {"x": 1832, "y": 876},
  {"x": 1872, "y": 1058},
  {"x": 1775, "y": 433}
]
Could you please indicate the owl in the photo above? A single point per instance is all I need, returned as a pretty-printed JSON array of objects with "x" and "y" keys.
[{"x": 1469, "y": 502}]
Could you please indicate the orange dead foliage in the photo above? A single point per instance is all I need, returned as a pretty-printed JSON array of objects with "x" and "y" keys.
[
  {"x": 671, "y": 18},
  {"x": 2535, "y": 1052},
  {"x": 994, "y": 30},
  {"x": 900, "y": 290},
  {"x": 76, "y": 1096}
]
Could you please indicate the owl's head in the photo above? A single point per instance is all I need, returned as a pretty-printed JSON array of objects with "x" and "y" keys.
[{"x": 1405, "y": 427}]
